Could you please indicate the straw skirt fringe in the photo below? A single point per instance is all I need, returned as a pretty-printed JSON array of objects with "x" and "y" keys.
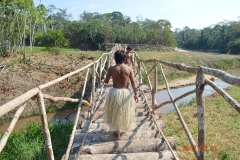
[{"x": 119, "y": 110}]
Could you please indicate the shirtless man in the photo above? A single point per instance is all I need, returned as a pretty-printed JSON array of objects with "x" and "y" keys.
[
  {"x": 119, "y": 110},
  {"x": 128, "y": 56}
]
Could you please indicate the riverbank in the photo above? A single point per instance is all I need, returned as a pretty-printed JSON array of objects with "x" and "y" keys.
[
  {"x": 222, "y": 127},
  {"x": 182, "y": 82}
]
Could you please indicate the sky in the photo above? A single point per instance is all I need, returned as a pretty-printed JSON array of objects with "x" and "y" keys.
[{"x": 192, "y": 13}]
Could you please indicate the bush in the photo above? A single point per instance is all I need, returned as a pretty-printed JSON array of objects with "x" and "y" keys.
[
  {"x": 52, "y": 41},
  {"x": 234, "y": 46}
]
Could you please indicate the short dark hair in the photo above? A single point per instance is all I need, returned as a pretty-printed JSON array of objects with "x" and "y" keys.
[
  {"x": 129, "y": 47},
  {"x": 119, "y": 56}
]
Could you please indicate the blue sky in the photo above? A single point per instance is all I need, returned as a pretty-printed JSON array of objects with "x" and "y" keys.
[{"x": 192, "y": 13}]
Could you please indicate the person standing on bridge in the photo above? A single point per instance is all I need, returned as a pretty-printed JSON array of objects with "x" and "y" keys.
[
  {"x": 119, "y": 109},
  {"x": 128, "y": 60}
]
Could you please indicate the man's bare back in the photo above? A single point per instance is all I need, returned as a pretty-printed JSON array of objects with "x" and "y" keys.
[{"x": 121, "y": 74}]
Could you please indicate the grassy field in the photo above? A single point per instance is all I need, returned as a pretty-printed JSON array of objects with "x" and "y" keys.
[{"x": 222, "y": 127}]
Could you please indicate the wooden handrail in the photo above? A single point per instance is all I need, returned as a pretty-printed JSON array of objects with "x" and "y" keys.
[
  {"x": 76, "y": 118},
  {"x": 7, "y": 107},
  {"x": 190, "y": 138},
  {"x": 225, "y": 95},
  {"x": 11, "y": 126}
]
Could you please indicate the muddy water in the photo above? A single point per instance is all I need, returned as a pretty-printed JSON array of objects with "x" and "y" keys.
[
  {"x": 63, "y": 116},
  {"x": 163, "y": 96},
  {"x": 68, "y": 115}
]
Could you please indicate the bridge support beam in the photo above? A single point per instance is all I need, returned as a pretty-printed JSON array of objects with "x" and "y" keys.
[
  {"x": 47, "y": 135},
  {"x": 200, "y": 80}
]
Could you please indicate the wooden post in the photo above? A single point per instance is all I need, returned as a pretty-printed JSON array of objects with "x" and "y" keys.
[
  {"x": 93, "y": 88},
  {"x": 154, "y": 88},
  {"x": 200, "y": 79},
  {"x": 96, "y": 72},
  {"x": 149, "y": 82},
  {"x": 100, "y": 73},
  {"x": 139, "y": 73},
  {"x": 134, "y": 63},
  {"x": 47, "y": 135},
  {"x": 108, "y": 61},
  {"x": 76, "y": 118}
]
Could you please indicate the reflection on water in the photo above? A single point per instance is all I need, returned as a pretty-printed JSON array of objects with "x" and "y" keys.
[{"x": 163, "y": 96}]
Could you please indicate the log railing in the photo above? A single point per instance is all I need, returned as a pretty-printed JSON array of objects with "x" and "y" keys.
[
  {"x": 201, "y": 81},
  {"x": 22, "y": 100},
  {"x": 97, "y": 67}
]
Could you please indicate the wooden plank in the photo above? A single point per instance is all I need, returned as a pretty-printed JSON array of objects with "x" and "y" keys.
[
  {"x": 163, "y": 155},
  {"x": 136, "y": 146}
]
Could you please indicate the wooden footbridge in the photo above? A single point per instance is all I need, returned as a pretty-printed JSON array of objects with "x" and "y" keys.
[{"x": 146, "y": 141}]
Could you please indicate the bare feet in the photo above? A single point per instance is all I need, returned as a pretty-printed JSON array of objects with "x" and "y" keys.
[{"x": 117, "y": 135}]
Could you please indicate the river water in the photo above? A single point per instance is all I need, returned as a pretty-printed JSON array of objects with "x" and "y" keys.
[{"x": 161, "y": 96}]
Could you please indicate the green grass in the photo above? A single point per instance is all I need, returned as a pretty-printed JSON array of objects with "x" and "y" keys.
[
  {"x": 64, "y": 51},
  {"x": 29, "y": 143},
  {"x": 222, "y": 127}
]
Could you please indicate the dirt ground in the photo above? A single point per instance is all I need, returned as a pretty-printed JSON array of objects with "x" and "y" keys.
[{"x": 16, "y": 79}]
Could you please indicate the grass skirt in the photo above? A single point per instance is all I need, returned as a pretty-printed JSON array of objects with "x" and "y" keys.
[{"x": 119, "y": 110}]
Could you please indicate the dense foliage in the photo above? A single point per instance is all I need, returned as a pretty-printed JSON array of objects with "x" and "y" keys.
[
  {"x": 223, "y": 37},
  {"x": 24, "y": 24}
]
